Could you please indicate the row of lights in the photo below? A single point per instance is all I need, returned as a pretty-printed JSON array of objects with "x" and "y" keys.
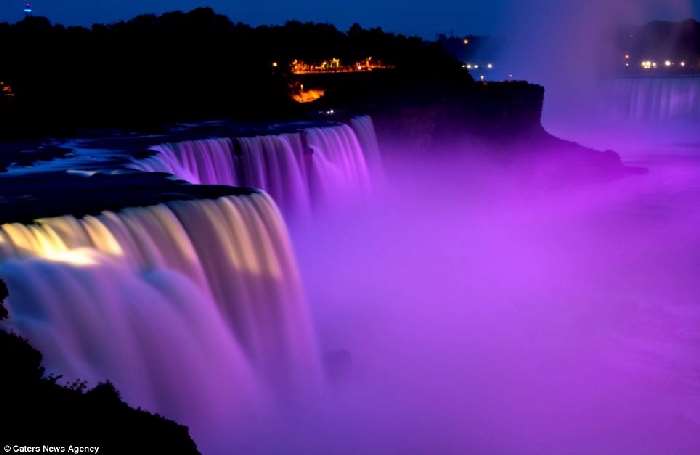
[
  {"x": 651, "y": 64},
  {"x": 473, "y": 66},
  {"x": 470, "y": 66},
  {"x": 334, "y": 65}
]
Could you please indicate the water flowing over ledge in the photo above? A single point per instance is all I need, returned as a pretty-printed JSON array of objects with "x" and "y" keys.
[
  {"x": 193, "y": 309},
  {"x": 654, "y": 99},
  {"x": 315, "y": 167},
  {"x": 184, "y": 292}
]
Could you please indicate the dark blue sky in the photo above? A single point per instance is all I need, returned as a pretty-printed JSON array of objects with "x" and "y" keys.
[{"x": 425, "y": 17}]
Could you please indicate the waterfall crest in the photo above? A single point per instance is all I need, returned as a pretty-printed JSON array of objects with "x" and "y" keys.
[
  {"x": 338, "y": 167},
  {"x": 276, "y": 164},
  {"x": 206, "y": 161},
  {"x": 655, "y": 99},
  {"x": 192, "y": 309},
  {"x": 301, "y": 171}
]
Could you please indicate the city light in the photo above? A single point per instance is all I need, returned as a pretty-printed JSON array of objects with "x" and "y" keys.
[
  {"x": 334, "y": 65},
  {"x": 666, "y": 64},
  {"x": 307, "y": 96},
  {"x": 475, "y": 66},
  {"x": 466, "y": 41},
  {"x": 5, "y": 89}
]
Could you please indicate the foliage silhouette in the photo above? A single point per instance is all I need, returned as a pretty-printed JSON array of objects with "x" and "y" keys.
[
  {"x": 36, "y": 409},
  {"x": 178, "y": 66}
]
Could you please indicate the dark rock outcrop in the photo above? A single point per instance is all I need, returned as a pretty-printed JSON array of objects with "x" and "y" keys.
[
  {"x": 24, "y": 198},
  {"x": 36, "y": 409}
]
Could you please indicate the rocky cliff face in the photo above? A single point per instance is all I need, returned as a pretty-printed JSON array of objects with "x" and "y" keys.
[{"x": 438, "y": 116}]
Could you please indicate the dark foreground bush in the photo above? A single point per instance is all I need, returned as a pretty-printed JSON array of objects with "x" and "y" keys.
[{"x": 36, "y": 410}]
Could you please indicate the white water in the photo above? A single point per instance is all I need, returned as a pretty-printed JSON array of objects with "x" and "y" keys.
[
  {"x": 629, "y": 114},
  {"x": 655, "y": 99},
  {"x": 363, "y": 126},
  {"x": 192, "y": 309},
  {"x": 314, "y": 168}
]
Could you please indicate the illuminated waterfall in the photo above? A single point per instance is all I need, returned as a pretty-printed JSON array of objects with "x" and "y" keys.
[
  {"x": 655, "y": 99},
  {"x": 338, "y": 170},
  {"x": 312, "y": 168},
  {"x": 192, "y": 309},
  {"x": 277, "y": 165},
  {"x": 363, "y": 126},
  {"x": 208, "y": 161}
]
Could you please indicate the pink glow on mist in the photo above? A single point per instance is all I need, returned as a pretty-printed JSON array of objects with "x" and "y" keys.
[{"x": 483, "y": 317}]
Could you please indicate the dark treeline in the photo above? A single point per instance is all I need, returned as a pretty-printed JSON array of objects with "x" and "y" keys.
[{"x": 176, "y": 66}]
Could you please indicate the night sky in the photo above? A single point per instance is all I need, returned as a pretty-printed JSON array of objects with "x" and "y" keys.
[{"x": 424, "y": 18}]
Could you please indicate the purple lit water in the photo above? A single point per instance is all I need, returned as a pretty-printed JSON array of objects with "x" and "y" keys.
[
  {"x": 465, "y": 308},
  {"x": 194, "y": 310},
  {"x": 655, "y": 98},
  {"x": 485, "y": 316},
  {"x": 320, "y": 167}
]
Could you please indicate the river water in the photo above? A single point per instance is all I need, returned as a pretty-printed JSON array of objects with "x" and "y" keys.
[{"x": 484, "y": 317}]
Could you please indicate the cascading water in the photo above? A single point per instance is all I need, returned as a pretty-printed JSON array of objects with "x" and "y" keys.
[
  {"x": 299, "y": 170},
  {"x": 338, "y": 170},
  {"x": 277, "y": 165},
  {"x": 654, "y": 99},
  {"x": 192, "y": 309},
  {"x": 363, "y": 126},
  {"x": 208, "y": 161}
]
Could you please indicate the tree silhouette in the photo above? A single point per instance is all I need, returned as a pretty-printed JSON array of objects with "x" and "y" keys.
[
  {"x": 35, "y": 409},
  {"x": 177, "y": 66}
]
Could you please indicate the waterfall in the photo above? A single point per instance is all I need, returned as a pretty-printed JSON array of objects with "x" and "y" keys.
[
  {"x": 276, "y": 164},
  {"x": 655, "y": 99},
  {"x": 208, "y": 161},
  {"x": 338, "y": 170},
  {"x": 192, "y": 309},
  {"x": 363, "y": 126},
  {"x": 315, "y": 167}
]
